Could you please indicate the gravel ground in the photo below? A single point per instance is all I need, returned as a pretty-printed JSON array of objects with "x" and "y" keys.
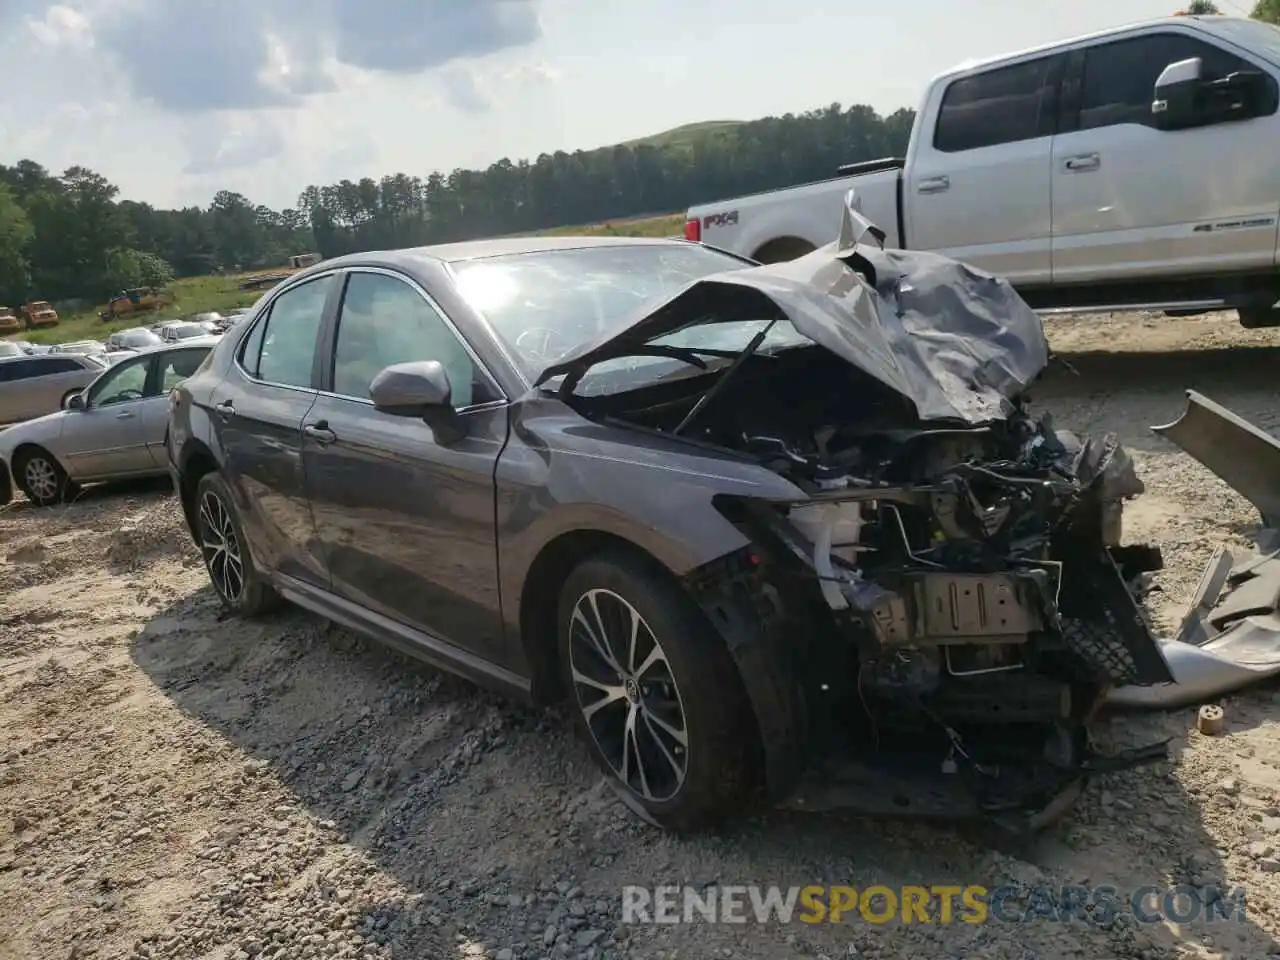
[{"x": 175, "y": 784}]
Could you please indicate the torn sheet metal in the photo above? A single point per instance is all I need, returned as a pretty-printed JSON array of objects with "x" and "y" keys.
[
  {"x": 1244, "y": 456},
  {"x": 956, "y": 342},
  {"x": 1230, "y": 636}
]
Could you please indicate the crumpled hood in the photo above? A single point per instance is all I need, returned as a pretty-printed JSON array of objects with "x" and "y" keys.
[{"x": 956, "y": 342}]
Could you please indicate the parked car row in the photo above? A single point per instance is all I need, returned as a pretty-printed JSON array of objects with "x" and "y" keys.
[
  {"x": 38, "y": 381},
  {"x": 89, "y": 421}
]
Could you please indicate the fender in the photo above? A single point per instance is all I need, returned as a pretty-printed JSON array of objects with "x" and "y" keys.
[{"x": 754, "y": 628}]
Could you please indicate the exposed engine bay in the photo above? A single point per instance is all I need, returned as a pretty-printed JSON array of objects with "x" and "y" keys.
[
  {"x": 950, "y": 593},
  {"x": 954, "y": 594}
]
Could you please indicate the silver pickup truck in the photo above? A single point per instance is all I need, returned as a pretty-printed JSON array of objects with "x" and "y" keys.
[{"x": 1132, "y": 168}]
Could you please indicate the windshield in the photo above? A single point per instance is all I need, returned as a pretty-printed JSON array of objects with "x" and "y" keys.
[
  {"x": 188, "y": 330},
  {"x": 1262, "y": 38},
  {"x": 544, "y": 305}
]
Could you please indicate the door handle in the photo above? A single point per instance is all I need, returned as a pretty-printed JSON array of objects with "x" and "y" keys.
[
  {"x": 1086, "y": 161},
  {"x": 226, "y": 410},
  {"x": 126, "y": 415},
  {"x": 320, "y": 432},
  {"x": 934, "y": 184}
]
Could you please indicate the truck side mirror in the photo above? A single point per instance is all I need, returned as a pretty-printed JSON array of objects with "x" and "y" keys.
[{"x": 1177, "y": 95}]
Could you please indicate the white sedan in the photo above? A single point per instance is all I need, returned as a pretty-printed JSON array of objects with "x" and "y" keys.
[{"x": 113, "y": 430}]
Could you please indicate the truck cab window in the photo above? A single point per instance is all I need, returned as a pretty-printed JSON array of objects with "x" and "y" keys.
[
  {"x": 1119, "y": 78},
  {"x": 999, "y": 106}
]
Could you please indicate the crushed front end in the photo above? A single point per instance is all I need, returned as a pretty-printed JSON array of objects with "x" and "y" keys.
[{"x": 952, "y": 606}]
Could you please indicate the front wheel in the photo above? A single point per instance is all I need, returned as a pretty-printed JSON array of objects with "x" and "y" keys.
[
  {"x": 220, "y": 537},
  {"x": 656, "y": 694},
  {"x": 42, "y": 477}
]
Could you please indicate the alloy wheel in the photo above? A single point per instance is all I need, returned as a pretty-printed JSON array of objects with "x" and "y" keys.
[
  {"x": 221, "y": 547},
  {"x": 41, "y": 478},
  {"x": 628, "y": 695}
]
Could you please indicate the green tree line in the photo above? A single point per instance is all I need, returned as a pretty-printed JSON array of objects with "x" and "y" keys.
[{"x": 71, "y": 236}]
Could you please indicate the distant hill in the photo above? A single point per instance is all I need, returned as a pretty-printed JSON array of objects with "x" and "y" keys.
[{"x": 685, "y": 136}]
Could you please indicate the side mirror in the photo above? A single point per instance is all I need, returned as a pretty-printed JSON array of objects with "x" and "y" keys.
[
  {"x": 419, "y": 389},
  {"x": 1177, "y": 95},
  {"x": 76, "y": 401}
]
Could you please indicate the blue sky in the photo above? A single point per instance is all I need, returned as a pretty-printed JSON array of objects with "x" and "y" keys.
[{"x": 174, "y": 99}]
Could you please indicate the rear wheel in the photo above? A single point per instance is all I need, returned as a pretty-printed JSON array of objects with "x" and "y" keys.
[
  {"x": 42, "y": 478},
  {"x": 220, "y": 537},
  {"x": 656, "y": 695}
]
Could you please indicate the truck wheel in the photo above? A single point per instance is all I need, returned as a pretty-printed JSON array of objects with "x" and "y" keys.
[
  {"x": 1257, "y": 318},
  {"x": 783, "y": 249}
]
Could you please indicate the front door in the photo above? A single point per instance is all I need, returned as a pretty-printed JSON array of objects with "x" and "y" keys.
[
  {"x": 1130, "y": 200},
  {"x": 406, "y": 523},
  {"x": 257, "y": 412},
  {"x": 977, "y": 189},
  {"x": 105, "y": 438}
]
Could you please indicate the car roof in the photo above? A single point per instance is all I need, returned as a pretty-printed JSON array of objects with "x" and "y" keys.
[{"x": 502, "y": 246}]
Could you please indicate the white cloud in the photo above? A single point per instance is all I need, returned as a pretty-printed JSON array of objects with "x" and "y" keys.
[{"x": 61, "y": 27}]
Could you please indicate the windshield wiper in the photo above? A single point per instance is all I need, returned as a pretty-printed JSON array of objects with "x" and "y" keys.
[
  {"x": 690, "y": 355},
  {"x": 719, "y": 385}
]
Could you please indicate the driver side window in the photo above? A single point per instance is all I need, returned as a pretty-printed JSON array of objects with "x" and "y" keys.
[
  {"x": 383, "y": 321},
  {"x": 126, "y": 382},
  {"x": 1119, "y": 77}
]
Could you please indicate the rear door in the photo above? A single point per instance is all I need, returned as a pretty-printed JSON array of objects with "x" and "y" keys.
[
  {"x": 257, "y": 412},
  {"x": 978, "y": 186},
  {"x": 13, "y": 377},
  {"x": 1130, "y": 200},
  {"x": 407, "y": 524}
]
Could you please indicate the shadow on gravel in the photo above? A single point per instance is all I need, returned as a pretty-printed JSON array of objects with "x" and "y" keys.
[{"x": 497, "y": 819}]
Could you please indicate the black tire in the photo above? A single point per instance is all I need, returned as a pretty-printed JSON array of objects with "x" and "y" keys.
[
  {"x": 234, "y": 578},
  {"x": 696, "y": 677},
  {"x": 1258, "y": 318},
  {"x": 41, "y": 477}
]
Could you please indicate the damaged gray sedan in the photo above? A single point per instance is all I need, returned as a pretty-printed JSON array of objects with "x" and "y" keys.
[{"x": 780, "y": 532}]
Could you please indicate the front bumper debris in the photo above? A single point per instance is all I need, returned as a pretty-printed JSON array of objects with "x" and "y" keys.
[{"x": 1230, "y": 636}]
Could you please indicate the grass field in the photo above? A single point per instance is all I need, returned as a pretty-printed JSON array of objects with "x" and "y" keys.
[{"x": 222, "y": 293}]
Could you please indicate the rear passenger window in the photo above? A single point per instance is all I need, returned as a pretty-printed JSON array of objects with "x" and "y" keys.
[
  {"x": 1000, "y": 106},
  {"x": 48, "y": 366},
  {"x": 286, "y": 337},
  {"x": 14, "y": 370},
  {"x": 1119, "y": 78}
]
